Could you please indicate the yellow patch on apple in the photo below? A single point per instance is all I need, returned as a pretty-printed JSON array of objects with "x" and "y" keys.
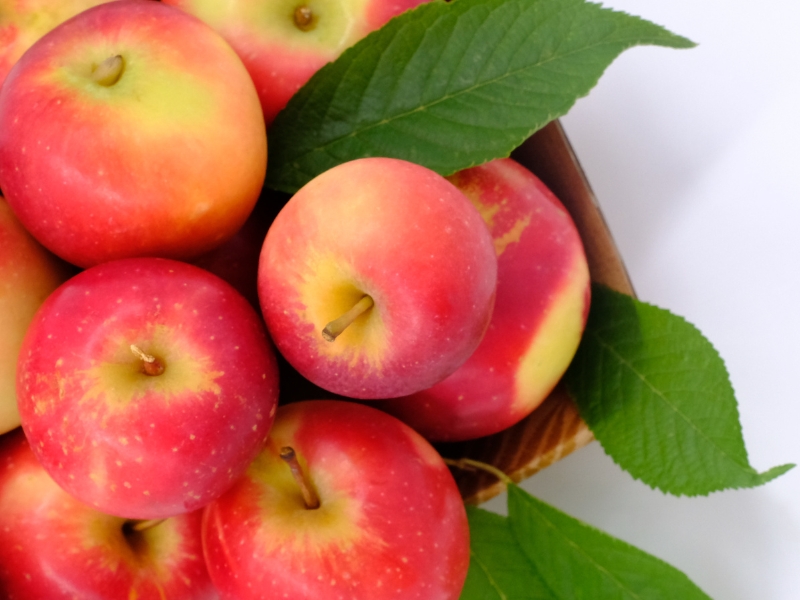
[
  {"x": 556, "y": 340},
  {"x": 328, "y": 295},
  {"x": 332, "y": 25},
  {"x": 513, "y": 235},
  {"x": 119, "y": 380},
  {"x": 294, "y": 528},
  {"x": 174, "y": 99}
]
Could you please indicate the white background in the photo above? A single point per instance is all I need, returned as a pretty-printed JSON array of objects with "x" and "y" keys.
[{"x": 694, "y": 156}]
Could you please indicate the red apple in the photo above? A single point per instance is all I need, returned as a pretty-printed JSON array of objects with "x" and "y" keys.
[
  {"x": 22, "y": 22},
  {"x": 284, "y": 43},
  {"x": 543, "y": 292},
  {"x": 28, "y": 274},
  {"x": 132, "y": 129},
  {"x": 146, "y": 387},
  {"x": 53, "y": 547},
  {"x": 398, "y": 248},
  {"x": 390, "y": 523}
]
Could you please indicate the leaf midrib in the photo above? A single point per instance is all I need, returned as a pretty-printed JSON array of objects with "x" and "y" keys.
[
  {"x": 623, "y": 361},
  {"x": 580, "y": 550},
  {"x": 488, "y": 575},
  {"x": 465, "y": 91}
]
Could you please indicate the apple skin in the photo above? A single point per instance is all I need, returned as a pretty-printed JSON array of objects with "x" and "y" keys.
[
  {"x": 130, "y": 444},
  {"x": 55, "y": 547},
  {"x": 399, "y": 233},
  {"x": 543, "y": 295},
  {"x": 28, "y": 274},
  {"x": 280, "y": 56},
  {"x": 390, "y": 525},
  {"x": 165, "y": 162},
  {"x": 22, "y": 22}
]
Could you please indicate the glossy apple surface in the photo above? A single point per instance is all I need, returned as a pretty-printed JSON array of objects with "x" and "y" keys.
[
  {"x": 28, "y": 274},
  {"x": 283, "y": 43},
  {"x": 543, "y": 294},
  {"x": 390, "y": 522},
  {"x": 54, "y": 547},
  {"x": 22, "y": 22},
  {"x": 399, "y": 234},
  {"x": 165, "y": 160},
  {"x": 142, "y": 445}
]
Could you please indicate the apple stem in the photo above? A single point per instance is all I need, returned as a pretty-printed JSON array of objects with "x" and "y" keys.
[
  {"x": 309, "y": 495},
  {"x": 150, "y": 364},
  {"x": 471, "y": 464},
  {"x": 108, "y": 72},
  {"x": 146, "y": 524},
  {"x": 333, "y": 329},
  {"x": 304, "y": 18}
]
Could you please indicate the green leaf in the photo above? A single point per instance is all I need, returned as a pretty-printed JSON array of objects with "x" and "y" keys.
[
  {"x": 452, "y": 85},
  {"x": 657, "y": 396},
  {"x": 580, "y": 562},
  {"x": 498, "y": 569}
]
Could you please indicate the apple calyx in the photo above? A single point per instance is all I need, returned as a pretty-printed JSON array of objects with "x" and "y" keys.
[
  {"x": 304, "y": 18},
  {"x": 333, "y": 329},
  {"x": 108, "y": 72},
  {"x": 150, "y": 364},
  {"x": 310, "y": 497},
  {"x": 135, "y": 536}
]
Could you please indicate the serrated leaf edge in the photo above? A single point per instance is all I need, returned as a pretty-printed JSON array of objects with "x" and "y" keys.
[
  {"x": 757, "y": 479},
  {"x": 470, "y": 90}
]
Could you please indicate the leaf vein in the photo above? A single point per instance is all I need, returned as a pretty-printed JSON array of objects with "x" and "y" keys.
[
  {"x": 488, "y": 575},
  {"x": 658, "y": 393},
  {"x": 480, "y": 85}
]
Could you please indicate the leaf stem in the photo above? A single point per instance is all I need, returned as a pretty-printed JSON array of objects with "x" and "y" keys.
[{"x": 471, "y": 464}]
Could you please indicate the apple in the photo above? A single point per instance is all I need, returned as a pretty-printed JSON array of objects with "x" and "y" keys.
[
  {"x": 55, "y": 547},
  {"x": 119, "y": 139},
  {"x": 284, "y": 43},
  {"x": 377, "y": 279},
  {"x": 146, "y": 387},
  {"x": 389, "y": 522},
  {"x": 543, "y": 294},
  {"x": 28, "y": 274},
  {"x": 22, "y": 22}
]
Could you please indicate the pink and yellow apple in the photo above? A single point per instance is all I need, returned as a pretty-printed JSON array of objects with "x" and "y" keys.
[
  {"x": 390, "y": 523},
  {"x": 132, "y": 129},
  {"x": 396, "y": 249},
  {"x": 543, "y": 292},
  {"x": 28, "y": 274},
  {"x": 283, "y": 43},
  {"x": 55, "y": 547},
  {"x": 146, "y": 387},
  {"x": 22, "y": 22}
]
